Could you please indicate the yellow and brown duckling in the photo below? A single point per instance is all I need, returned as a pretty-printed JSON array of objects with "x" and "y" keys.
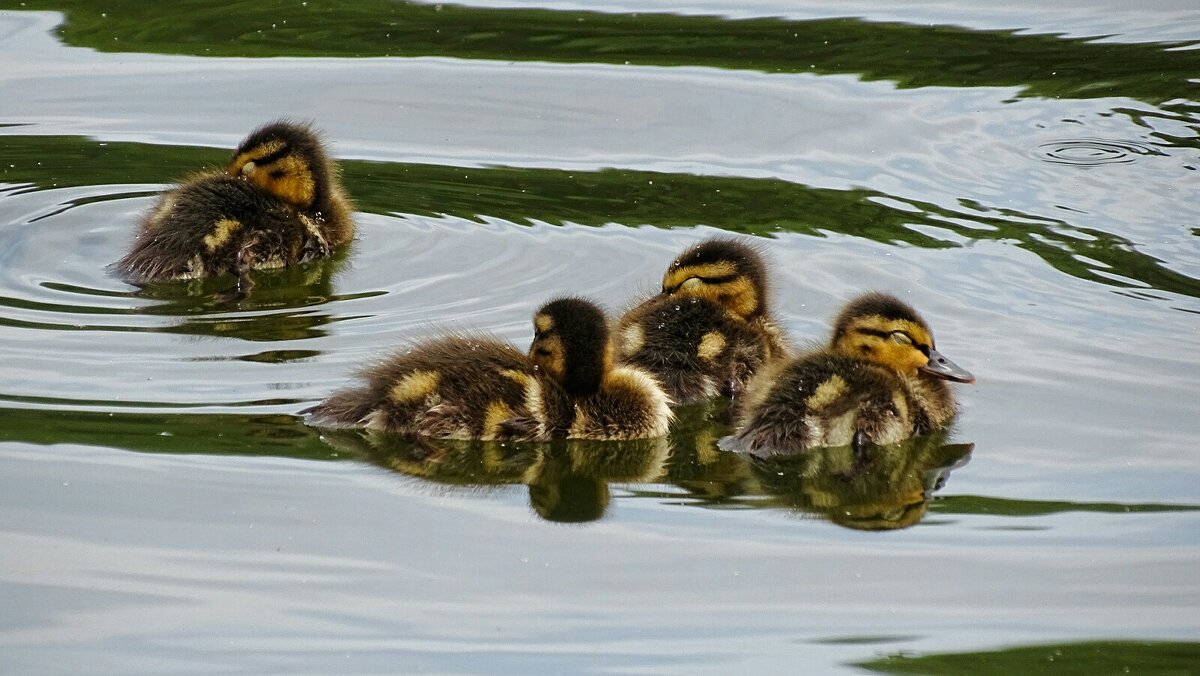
[
  {"x": 880, "y": 381},
  {"x": 710, "y": 329},
  {"x": 277, "y": 203},
  {"x": 464, "y": 387}
]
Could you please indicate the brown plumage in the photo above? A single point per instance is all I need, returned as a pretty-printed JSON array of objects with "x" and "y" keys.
[
  {"x": 463, "y": 387},
  {"x": 710, "y": 328},
  {"x": 880, "y": 381},
  {"x": 277, "y": 203}
]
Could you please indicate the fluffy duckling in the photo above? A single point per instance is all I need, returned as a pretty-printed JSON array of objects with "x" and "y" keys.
[
  {"x": 879, "y": 382},
  {"x": 277, "y": 203},
  {"x": 710, "y": 329},
  {"x": 478, "y": 388}
]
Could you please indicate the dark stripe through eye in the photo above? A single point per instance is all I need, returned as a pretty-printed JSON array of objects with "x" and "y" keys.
[
  {"x": 278, "y": 154},
  {"x": 719, "y": 280}
]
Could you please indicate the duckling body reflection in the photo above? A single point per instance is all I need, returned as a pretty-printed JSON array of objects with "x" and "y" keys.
[
  {"x": 877, "y": 488},
  {"x": 277, "y": 203},
  {"x": 709, "y": 330},
  {"x": 879, "y": 382},
  {"x": 464, "y": 387}
]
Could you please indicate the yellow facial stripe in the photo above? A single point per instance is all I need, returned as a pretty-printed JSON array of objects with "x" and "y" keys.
[
  {"x": 552, "y": 364},
  {"x": 414, "y": 386},
  {"x": 258, "y": 152},
  {"x": 869, "y": 337},
  {"x": 678, "y": 276},
  {"x": 711, "y": 345},
  {"x": 739, "y": 297},
  {"x": 296, "y": 186},
  {"x": 543, "y": 322},
  {"x": 221, "y": 233}
]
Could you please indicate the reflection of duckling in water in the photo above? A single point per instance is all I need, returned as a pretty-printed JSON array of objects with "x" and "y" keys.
[
  {"x": 479, "y": 388},
  {"x": 277, "y": 203},
  {"x": 894, "y": 493},
  {"x": 697, "y": 464},
  {"x": 880, "y": 381},
  {"x": 567, "y": 480},
  {"x": 710, "y": 329},
  {"x": 571, "y": 483}
]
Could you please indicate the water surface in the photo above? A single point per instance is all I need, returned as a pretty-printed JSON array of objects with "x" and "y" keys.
[{"x": 1025, "y": 176}]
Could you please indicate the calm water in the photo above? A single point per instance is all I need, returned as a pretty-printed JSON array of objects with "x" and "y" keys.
[{"x": 1027, "y": 177}]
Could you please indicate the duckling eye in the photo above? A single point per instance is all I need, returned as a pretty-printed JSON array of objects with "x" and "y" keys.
[
  {"x": 247, "y": 168},
  {"x": 902, "y": 338},
  {"x": 691, "y": 283}
]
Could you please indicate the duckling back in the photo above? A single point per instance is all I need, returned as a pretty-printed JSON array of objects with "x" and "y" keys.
[
  {"x": 694, "y": 347},
  {"x": 454, "y": 388}
]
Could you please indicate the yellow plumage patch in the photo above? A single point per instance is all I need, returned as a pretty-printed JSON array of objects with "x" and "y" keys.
[
  {"x": 414, "y": 386},
  {"x": 497, "y": 412},
  {"x": 826, "y": 393},
  {"x": 221, "y": 233},
  {"x": 543, "y": 322},
  {"x": 711, "y": 345},
  {"x": 517, "y": 377},
  {"x": 632, "y": 339}
]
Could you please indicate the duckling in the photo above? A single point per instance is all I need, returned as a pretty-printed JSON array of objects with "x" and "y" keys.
[
  {"x": 710, "y": 329},
  {"x": 277, "y": 203},
  {"x": 880, "y": 381},
  {"x": 472, "y": 387}
]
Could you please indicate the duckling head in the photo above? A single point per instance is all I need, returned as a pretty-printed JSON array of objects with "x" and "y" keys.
[
  {"x": 571, "y": 345},
  {"x": 285, "y": 159},
  {"x": 726, "y": 271},
  {"x": 883, "y": 329}
]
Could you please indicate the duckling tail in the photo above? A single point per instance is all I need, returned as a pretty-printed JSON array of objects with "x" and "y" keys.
[{"x": 342, "y": 409}]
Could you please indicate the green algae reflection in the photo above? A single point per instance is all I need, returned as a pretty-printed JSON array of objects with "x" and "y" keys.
[
  {"x": 905, "y": 54},
  {"x": 1093, "y": 658},
  {"x": 755, "y": 206}
]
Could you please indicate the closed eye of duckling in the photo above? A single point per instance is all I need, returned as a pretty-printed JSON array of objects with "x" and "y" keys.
[{"x": 902, "y": 338}]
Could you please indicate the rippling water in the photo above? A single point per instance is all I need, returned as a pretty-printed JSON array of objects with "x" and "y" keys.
[{"x": 1029, "y": 185}]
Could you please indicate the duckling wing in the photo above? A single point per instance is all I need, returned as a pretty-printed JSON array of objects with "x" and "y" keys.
[
  {"x": 457, "y": 387},
  {"x": 818, "y": 400}
]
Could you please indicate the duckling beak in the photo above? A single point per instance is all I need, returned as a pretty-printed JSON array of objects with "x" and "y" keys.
[{"x": 941, "y": 367}]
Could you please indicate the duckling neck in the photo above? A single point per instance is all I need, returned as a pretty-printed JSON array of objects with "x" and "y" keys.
[{"x": 933, "y": 398}]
